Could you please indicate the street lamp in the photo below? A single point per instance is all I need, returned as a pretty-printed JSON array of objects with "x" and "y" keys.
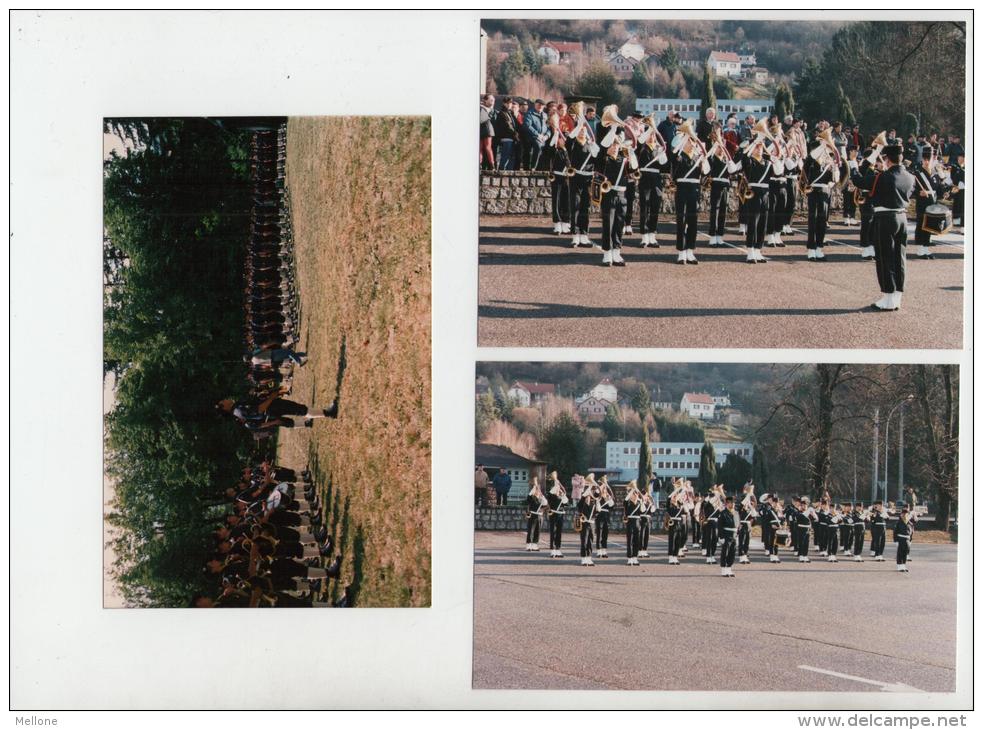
[{"x": 887, "y": 427}]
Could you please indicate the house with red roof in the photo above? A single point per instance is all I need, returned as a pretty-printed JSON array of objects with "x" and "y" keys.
[
  {"x": 698, "y": 405},
  {"x": 526, "y": 394}
]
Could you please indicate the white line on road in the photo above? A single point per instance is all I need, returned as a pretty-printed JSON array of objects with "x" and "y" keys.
[{"x": 885, "y": 686}]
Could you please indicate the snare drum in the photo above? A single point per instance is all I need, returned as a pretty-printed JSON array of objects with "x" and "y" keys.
[{"x": 937, "y": 220}]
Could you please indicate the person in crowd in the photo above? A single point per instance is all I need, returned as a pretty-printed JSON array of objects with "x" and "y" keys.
[
  {"x": 502, "y": 483},
  {"x": 480, "y": 485},
  {"x": 535, "y": 133},
  {"x": 507, "y": 135},
  {"x": 486, "y": 132}
]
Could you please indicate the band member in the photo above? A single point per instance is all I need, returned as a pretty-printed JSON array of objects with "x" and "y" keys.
[
  {"x": 890, "y": 192},
  {"x": 878, "y": 531},
  {"x": 653, "y": 163},
  {"x": 777, "y": 191},
  {"x": 796, "y": 160},
  {"x": 689, "y": 164},
  {"x": 727, "y": 525},
  {"x": 559, "y": 165},
  {"x": 958, "y": 176},
  {"x": 833, "y": 520},
  {"x": 774, "y": 525},
  {"x": 645, "y": 525},
  {"x": 803, "y": 521},
  {"x": 822, "y": 527},
  {"x": 618, "y": 163},
  {"x": 819, "y": 174},
  {"x": 677, "y": 529},
  {"x": 587, "y": 508},
  {"x": 536, "y": 506},
  {"x": 866, "y": 208},
  {"x": 846, "y": 529},
  {"x": 712, "y": 506},
  {"x": 904, "y": 530},
  {"x": 605, "y": 501},
  {"x": 556, "y": 499},
  {"x": 859, "y": 527},
  {"x": 633, "y": 127},
  {"x": 746, "y": 512},
  {"x": 722, "y": 166},
  {"x": 633, "y": 516},
  {"x": 929, "y": 188},
  {"x": 849, "y": 205},
  {"x": 697, "y": 521},
  {"x": 582, "y": 150},
  {"x": 757, "y": 170}
]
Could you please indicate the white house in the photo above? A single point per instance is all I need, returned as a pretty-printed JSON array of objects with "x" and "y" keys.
[
  {"x": 548, "y": 54},
  {"x": 669, "y": 459},
  {"x": 622, "y": 66},
  {"x": 554, "y": 52},
  {"x": 605, "y": 390},
  {"x": 526, "y": 394},
  {"x": 633, "y": 49},
  {"x": 697, "y": 405},
  {"x": 757, "y": 74},
  {"x": 663, "y": 405},
  {"x": 721, "y": 401},
  {"x": 725, "y": 63},
  {"x": 747, "y": 59}
]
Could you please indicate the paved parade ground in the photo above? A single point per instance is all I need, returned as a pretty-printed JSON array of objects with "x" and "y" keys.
[
  {"x": 535, "y": 290},
  {"x": 542, "y": 623}
]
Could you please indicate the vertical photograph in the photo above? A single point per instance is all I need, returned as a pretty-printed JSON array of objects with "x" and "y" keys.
[
  {"x": 722, "y": 183},
  {"x": 734, "y": 527},
  {"x": 266, "y": 366}
]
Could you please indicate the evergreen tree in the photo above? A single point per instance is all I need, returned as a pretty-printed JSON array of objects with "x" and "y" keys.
[
  {"x": 909, "y": 125},
  {"x": 485, "y": 412},
  {"x": 734, "y": 473},
  {"x": 504, "y": 404},
  {"x": 669, "y": 59},
  {"x": 784, "y": 105},
  {"x": 644, "y": 461},
  {"x": 641, "y": 401},
  {"x": 640, "y": 82},
  {"x": 844, "y": 107},
  {"x": 564, "y": 447},
  {"x": 709, "y": 100},
  {"x": 759, "y": 470},
  {"x": 708, "y": 466},
  {"x": 612, "y": 426}
]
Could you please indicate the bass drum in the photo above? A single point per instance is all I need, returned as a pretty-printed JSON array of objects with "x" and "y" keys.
[{"x": 937, "y": 220}]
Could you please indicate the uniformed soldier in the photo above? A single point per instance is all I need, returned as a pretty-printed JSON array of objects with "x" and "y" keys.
[
  {"x": 727, "y": 525},
  {"x": 891, "y": 190}
]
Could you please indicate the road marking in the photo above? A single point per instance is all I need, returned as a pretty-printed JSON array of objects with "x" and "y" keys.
[{"x": 885, "y": 686}]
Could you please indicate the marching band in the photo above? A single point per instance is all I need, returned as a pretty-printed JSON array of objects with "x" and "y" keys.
[
  {"x": 770, "y": 170},
  {"x": 718, "y": 520}
]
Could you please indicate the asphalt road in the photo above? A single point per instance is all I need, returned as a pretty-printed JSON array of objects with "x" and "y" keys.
[
  {"x": 542, "y": 623},
  {"x": 535, "y": 290}
]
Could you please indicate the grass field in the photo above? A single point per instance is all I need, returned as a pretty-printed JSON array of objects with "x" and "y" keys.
[{"x": 360, "y": 196}]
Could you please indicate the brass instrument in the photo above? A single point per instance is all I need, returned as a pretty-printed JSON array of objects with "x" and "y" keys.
[
  {"x": 744, "y": 191},
  {"x": 570, "y": 171},
  {"x": 578, "y": 522},
  {"x": 596, "y": 185},
  {"x": 804, "y": 187}
]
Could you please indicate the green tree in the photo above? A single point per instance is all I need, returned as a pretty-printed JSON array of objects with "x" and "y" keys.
[
  {"x": 485, "y": 412},
  {"x": 644, "y": 461},
  {"x": 599, "y": 81},
  {"x": 708, "y": 466},
  {"x": 844, "y": 108},
  {"x": 734, "y": 473},
  {"x": 512, "y": 68},
  {"x": 641, "y": 401},
  {"x": 909, "y": 125},
  {"x": 759, "y": 470},
  {"x": 669, "y": 59},
  {"x": 564, "y": 447},
  {"x": 723, "y": 87},
  {"x": 784, "y": 105},
  {"x": 504, "y": 404},
  {"x": 641, "y": 83},
  {"x": 709, "y": 99},
  {"x": 612, "y": 424}
]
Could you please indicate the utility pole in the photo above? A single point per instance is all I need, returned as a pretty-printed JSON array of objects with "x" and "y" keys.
[
  {"x": 901, "y": 454},
  {"x": 854, "y": 474},
  {"x": 877, "y": 424}
]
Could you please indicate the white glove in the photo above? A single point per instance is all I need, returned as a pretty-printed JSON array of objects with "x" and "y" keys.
[
  {"x": 734, "y": 166},
  {"x": 790, "y": 164},
  {"x": 609, "y": 137},
  {"x": 706, "y": 167},
  {"x": 663, "y": 159}
]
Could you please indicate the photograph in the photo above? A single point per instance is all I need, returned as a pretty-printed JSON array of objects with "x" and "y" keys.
[
  {"x": 722, "y": 183},
  {"x": 730, "y": 527},
  {"x": 266, "y": 362}
]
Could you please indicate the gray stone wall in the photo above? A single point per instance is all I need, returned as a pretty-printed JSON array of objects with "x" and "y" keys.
[
  {"x": 510, "y": 519},
  {"x": 528, "y": 193}
]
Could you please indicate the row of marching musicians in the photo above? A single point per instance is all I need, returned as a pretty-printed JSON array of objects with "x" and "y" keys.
[
  {"x": 715, "y": 521},
  {"x": 633, "y": 160}
]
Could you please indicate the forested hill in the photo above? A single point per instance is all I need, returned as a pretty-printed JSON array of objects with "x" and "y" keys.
[{"x": 780, "y": 46}]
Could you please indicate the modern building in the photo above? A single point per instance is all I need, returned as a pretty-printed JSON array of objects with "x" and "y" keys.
[
  {"x": 521, "y": 469},
  {"x": 669, "y": 459},
  {"x": 725, "y": 63},
  {"x": 527, "y": 394},
  {"x": 698, "y": 405},
  {"x": 690, "y": 108}
]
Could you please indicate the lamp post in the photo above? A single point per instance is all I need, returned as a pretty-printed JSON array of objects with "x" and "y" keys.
[
  {"x": 887, "y": 427},
  {"x": 877, "y": 425}
]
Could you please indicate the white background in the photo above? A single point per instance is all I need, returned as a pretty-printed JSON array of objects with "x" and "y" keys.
[{"x": 68, "y": 71}]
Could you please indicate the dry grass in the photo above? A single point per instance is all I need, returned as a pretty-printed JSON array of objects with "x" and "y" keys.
[{"x": 360, "y": 194}]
